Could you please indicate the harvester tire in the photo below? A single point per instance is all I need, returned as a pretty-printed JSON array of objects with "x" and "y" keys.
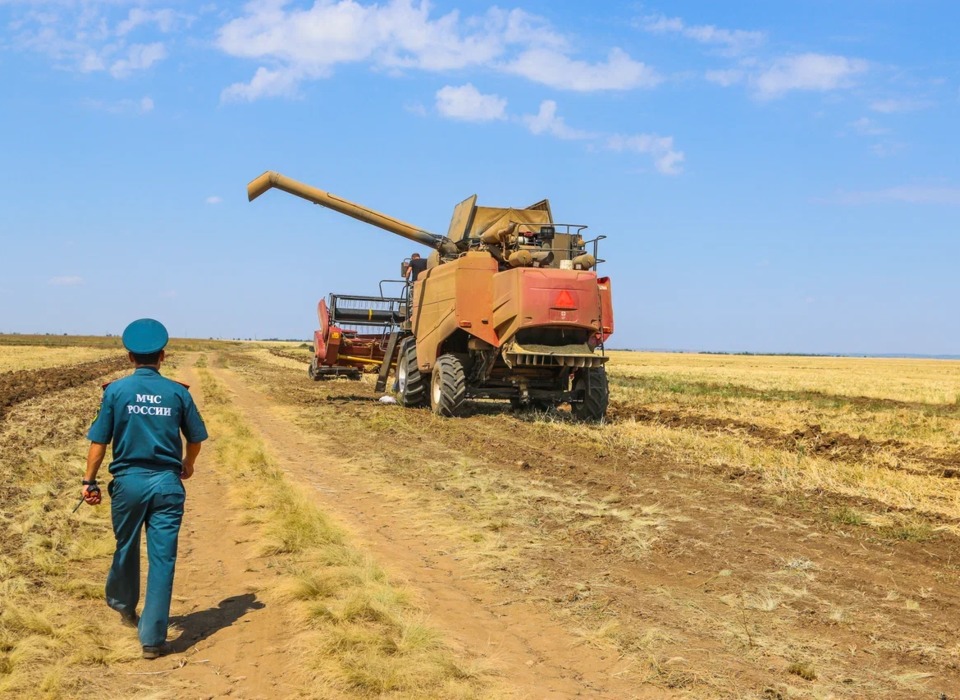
[
  {"x": 448, "y": 386},
  {"x": 312, "y": 371},
  {"x": 410, "y": 384},
  {"x": 591, "y": 383}
]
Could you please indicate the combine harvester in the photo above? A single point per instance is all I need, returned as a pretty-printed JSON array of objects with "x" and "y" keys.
[{"x": 509, "y": 307}]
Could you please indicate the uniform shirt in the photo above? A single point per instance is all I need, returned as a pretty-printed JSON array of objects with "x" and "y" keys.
[{"x": 144, "y": 414}]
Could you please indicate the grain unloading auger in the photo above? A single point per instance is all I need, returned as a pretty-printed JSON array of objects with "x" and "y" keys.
[{"x": 509, "y": 307}]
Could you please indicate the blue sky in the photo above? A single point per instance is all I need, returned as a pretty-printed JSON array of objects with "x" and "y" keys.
[{"x": 779, "y": 177}]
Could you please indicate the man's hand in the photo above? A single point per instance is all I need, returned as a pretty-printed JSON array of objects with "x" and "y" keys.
[
  {"x": 193, "y": 449},
  {"x": 91, "y": 494}
]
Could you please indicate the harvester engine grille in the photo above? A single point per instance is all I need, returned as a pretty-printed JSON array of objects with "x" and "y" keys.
[{"x": 534, "y": 355}]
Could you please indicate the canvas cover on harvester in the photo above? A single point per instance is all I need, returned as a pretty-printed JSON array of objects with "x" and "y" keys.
[{"x": 470, "y": 221}]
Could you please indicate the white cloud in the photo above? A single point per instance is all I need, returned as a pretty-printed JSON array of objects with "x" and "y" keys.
[
  {"x": 890, "y": 106},
  {"x": 725, "y": 78},
  {"x": 868, "y": 127},
  {"x": 809, "y": 71},
  {"x": 164, "y": 19},
  {"x": 415, "y": 108},
  {"x": 265, "y": 83},
  {"x": 144, "y": 105},
  {"x": 65, "y": 281},
  {"x": 733, "y": 41},
  {"x": 906, "y": 194},
  {"x": 467, "y": 103},
  {"x": 550, "y": 67},
  {"x": 139, "y": 57},
  {"x": 546, "y": 121},
  {"x": 90, "y": 36},
  {"x": 886, "y": 148},
  {"x": 213, "y": 199},
  {"x": 666, "y": 159},
  {"x": 302, "y": 44}
]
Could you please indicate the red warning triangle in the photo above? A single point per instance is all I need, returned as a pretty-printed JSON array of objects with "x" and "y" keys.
[{"x": 564, "y": 300}]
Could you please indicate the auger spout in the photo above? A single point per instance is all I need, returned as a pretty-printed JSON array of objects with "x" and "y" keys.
[{"x": 272, "y": 179}]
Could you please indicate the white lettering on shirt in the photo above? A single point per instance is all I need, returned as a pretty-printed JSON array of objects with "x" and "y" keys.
[
  {"x": 149, "y": 410},
  {"x": 149, "y": 398}
]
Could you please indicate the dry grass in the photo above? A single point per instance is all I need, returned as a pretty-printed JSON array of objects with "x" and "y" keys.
[
  {"x": 363, "y": 636},
  {"x": 877, "y": 429},
  {"x": 25, "y": 357},
  {"x": 53, "y": 626},
  {"x": 107, "y": 342},
  {"x": 919, "y": 380}
]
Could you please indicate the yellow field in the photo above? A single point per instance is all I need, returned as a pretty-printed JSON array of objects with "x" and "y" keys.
[
  {"x": 25, "y": 357},
  {"x": 874, "y": 428},
  {"x": 739, "y": 526},
  {"x": 912, "y": 380}
]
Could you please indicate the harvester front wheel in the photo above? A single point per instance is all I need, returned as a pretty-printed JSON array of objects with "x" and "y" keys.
[
  {"x": 591, "y": 384},
  {"x": 410, "y": 382},
  {"x": 448, "y": 386}
]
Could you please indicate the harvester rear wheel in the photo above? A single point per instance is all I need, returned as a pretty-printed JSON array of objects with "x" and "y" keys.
[
  {"x": 410, "y": 382},
  {"x": 448, "y": 386},
  {"x": 591, "y": 383}
]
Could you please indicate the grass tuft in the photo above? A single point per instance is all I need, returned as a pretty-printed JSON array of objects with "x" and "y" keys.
[
  {"x": 803, "y": 669},
  {"x": 847, "y": 516}
]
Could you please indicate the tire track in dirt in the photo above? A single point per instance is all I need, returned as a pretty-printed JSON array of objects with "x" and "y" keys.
[{"x": 532, "y": 655}]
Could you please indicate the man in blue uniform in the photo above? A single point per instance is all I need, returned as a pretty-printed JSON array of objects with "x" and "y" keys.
[{"x": 143, "y": 416}]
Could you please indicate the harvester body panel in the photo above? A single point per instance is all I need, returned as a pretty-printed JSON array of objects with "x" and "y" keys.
[{"x": 451, "y": 297}]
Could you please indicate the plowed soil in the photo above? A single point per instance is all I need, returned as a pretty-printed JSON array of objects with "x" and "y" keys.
[
  {"x": 812, "y": 438},
  {"x": 27, "y": 384}
]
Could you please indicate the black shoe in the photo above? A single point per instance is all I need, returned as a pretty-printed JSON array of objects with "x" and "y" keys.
[
  {"x": 151, "y": 652},
  {"x": 129, "y": 619}
]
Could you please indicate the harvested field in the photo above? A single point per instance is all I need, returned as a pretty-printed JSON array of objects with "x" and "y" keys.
[{"x": 740, "y": 527}]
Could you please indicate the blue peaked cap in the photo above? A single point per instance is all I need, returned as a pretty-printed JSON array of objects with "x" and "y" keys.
[{"x": 145, "y": 337}]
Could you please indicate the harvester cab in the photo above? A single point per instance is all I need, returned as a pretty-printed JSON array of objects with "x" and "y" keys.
[{"x": 510, "y": 307}]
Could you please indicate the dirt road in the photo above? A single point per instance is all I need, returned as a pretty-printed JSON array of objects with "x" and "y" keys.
[{"x": 518, "y": 642}]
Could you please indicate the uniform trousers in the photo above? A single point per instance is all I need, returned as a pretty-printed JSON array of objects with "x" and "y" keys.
[{"x": 152, "y": 500}]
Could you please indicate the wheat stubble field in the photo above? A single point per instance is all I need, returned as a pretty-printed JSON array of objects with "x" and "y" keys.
[{"x": 740, "y": 527}]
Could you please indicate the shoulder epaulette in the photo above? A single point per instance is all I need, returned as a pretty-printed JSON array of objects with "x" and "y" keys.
[
  {"x": 185, "y": 386},
  {"x": 104, "y": 386}
]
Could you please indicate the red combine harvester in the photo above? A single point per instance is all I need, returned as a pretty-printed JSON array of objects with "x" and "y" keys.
[{"x": 354, "y": 334}]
